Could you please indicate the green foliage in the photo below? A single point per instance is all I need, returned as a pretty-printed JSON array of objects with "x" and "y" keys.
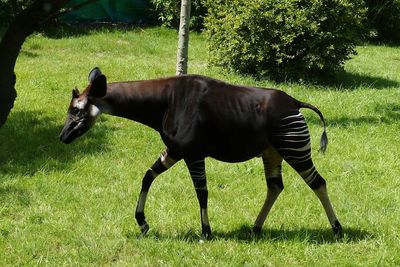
[
  {"x": 283, "y": 39},
  {"x": 169, "y": 13},
  {"x": 384, "y": 18}
]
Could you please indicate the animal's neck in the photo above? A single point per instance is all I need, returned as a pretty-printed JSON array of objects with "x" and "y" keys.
[{"x": 141, "y": 101}]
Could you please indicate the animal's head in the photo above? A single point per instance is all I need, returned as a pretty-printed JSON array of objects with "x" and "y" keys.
[{"x": 82, "y": 112}]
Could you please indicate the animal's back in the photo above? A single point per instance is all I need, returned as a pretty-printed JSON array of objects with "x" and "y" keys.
[{"x": 227, "y": 122}]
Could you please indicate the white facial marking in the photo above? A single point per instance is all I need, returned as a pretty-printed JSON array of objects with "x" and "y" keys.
[
  {"x": 79, "y": 103},
  {"x": 94, "y": 111}
]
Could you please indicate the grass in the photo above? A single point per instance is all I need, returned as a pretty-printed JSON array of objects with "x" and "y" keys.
[{"x": 74, "y": 205}]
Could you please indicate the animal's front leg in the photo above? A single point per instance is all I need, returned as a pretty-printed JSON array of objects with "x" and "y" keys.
[
  {"x": 163, "y": 163},
  {"x": 198, "y": 174}
]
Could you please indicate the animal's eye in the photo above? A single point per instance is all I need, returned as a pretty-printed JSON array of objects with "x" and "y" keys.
[{"x": 74, "y": 111}]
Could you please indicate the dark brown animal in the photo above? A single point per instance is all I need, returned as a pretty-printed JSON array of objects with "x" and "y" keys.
[{"x": 199, "y": 117}]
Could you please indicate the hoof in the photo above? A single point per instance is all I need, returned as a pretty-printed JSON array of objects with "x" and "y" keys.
[
  {"x": 206, "y": 233},
  {"x": 256, "y": 230},
  {"x": 144, "y": 229},
  {"x": 337, "y": 229}
]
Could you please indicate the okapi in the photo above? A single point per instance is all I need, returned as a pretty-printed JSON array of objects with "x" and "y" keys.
[{"x": 199, "y": 117}]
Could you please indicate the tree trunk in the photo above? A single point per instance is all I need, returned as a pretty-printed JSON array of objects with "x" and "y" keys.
[
  {"x": 23, "y": 25},
  {"x": 183, "y": 43},
  {"x": 9, "y": 49}
]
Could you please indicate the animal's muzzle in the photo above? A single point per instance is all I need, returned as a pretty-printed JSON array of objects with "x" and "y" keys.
[{"x": 68, "y": 133}]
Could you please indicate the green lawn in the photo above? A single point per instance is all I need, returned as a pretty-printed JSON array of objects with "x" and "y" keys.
[{"x": 74, "y": 204}]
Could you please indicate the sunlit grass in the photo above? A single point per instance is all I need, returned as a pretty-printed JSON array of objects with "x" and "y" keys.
[{"x": 74, "y": 205}]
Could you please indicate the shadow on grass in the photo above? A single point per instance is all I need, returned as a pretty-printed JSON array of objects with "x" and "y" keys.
[
  {"x": 64, "y": 30},
  {"x": 28, "y": 54},
  {"x": 307, "y": 235},
  {"x": 390, "y": 111},
  {"x": 353, "y": 81},
  {"x": 29, "y": 143},
  {"x": 244, "y": 234}
]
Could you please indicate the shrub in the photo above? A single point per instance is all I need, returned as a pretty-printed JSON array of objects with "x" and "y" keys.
[
  {"x": 169, "y": 12},
  {"x": 384, "y": 18},
  {"x": 283, "y": 38}
]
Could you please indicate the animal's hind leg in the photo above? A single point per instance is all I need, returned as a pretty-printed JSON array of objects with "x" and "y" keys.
[
  {"x": 272, "y": 167},
  {"x": 292, "y": 141},
  {"x": 322, "y": 194}
]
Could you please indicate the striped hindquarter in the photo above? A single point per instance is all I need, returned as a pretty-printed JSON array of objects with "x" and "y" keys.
[{"x": 292, "y": 141}]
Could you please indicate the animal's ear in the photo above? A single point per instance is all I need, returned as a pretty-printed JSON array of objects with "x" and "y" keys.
[
  {"x": 98, "y": 87},
  {"x": 93, "y": 74},
  {"x": 75, "y": 93}
]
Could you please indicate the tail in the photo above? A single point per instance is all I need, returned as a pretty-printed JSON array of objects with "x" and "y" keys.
[{"x": 324, "y": 137}]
